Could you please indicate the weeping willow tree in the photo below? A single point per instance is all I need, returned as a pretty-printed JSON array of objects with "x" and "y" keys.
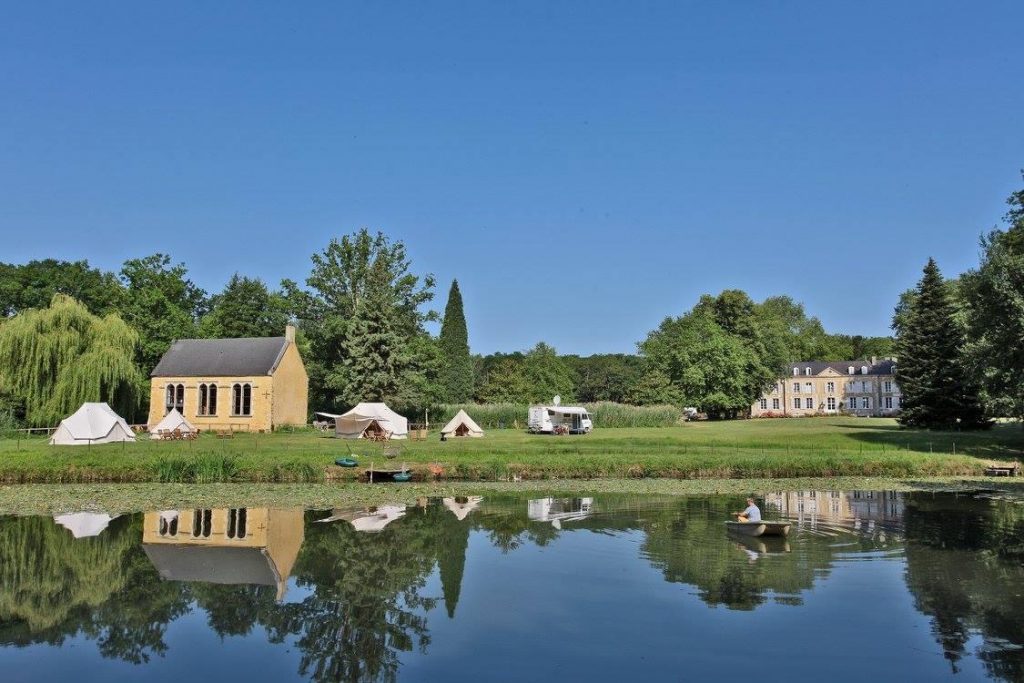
[{"x": 59, "y": 357}]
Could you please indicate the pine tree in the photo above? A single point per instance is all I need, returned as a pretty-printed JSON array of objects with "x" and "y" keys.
[
  {"x": 937, "y": 389},
  {"x": 457, "y": 369}
]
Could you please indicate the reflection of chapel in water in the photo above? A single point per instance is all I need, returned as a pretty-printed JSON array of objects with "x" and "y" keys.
[
  {"x": 227, "y": 545},
  {"x": 867, "y": 508}
]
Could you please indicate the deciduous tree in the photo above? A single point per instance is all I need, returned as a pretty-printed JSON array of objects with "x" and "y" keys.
[
  {"x": 56, "y": 358},
  {"x": 161, "y": 303},
  {"x": 246, "y": 308},
  {"x": 995, "y": 295}
]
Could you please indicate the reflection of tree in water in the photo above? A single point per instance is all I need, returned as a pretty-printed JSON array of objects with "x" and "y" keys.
[
  {"x": 965, "y": 568},
  {"x": 510, "y": 530},
  {"x": 366, "y": 603},
  {"x": 364, "y": 607},
  {"x": 53, "y": 586}
]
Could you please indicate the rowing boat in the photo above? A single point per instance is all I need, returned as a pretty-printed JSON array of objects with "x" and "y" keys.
[{"x": 761, "y": 528}]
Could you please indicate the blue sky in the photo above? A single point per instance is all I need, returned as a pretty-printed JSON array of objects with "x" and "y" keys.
[{"x": 583, "y": 168}]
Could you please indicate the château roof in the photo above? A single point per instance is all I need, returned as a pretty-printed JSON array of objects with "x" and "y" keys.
[
  {"x": 885, "y": 366},
  {"x": 221, "y": 357}
]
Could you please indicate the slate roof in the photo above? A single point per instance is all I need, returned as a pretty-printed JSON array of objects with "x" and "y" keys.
[
  {"x": 221, "y": 357},
  {"x": 880, "y": 367},
  {"x": 212, "y": 564}
]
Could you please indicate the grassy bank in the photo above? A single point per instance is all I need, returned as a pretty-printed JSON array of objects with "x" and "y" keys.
[
  {"x": 129, "y": 498},
  {"x": 703, "y": 450}
]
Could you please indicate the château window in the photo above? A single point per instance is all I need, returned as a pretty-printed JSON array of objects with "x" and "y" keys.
[
  {"x": 202, "y": 523},
  {"x": 241, "y": 399},
  {"x": 207, "y": 399},
  {"x": 865, "y": 403},
  {"x": 809, "y": 403},
  {"x": 775, "y": 404},
  {"x": 764, "y": 404},
  {"x": 808, "y": 388},
  {"x": 237, "y": 521},
  {"x": 796, "y": 403},
  {"x": 888, "y": 387},
  {"x": 175, "y": 398},
  {"x": 888, "y": 402},
  {"x": 807, "y": 371},
  {"x": 796, "y": 387},
  {"x": 830, "y": 387},
  {"x": 863, "y": 369},
  {"x": 796, "y": 372},
  {"x": 831, "y": 403},
  {"x": 849, "y": 370}
]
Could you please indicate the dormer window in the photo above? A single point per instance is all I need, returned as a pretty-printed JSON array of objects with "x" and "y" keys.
[
  {"x": 807, "y": 371},
  {"x": 863, "y": 369},
  {"x": 850, "y": 370},
  {"x": 796, "y": 372}
]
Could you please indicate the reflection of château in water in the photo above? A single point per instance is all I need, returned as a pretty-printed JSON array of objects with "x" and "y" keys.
[
  {"x": 558, "y": 510},
  {"x": 861, "y": 509},
  {"x": 228, "y": 546}
]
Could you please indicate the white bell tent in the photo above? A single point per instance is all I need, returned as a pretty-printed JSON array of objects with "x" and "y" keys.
[
  {"x": 172, "y": 422},
  {"x": 462, "y": 425},
  {"x": 373, "y": 417},
  {"x": 92, "y": 423}
]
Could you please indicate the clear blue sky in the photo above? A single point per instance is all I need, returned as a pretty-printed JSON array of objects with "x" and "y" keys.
[{"x": 583, "y": 168}]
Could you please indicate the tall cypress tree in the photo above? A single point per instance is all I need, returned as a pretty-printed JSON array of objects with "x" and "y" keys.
[
  {"x": 457, "y": 371},
  {"x": 938, "y": 391}
]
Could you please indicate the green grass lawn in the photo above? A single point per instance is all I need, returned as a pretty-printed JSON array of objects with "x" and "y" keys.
[{"x": 811, "y": 447}]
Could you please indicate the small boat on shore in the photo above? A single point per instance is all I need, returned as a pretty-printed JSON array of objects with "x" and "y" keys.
[{"x": 762, "y": 528}]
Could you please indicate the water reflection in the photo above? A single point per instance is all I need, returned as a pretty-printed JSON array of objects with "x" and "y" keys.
[
  {"x": 234, "y": 546},
  {"x": 559, "y": 510},
  {"x": 353, "y": 591},
  {"x": 370, "y": 519}
]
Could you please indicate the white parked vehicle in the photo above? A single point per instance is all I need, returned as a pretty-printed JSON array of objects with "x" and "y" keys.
[{"x": 548, "y": 419}]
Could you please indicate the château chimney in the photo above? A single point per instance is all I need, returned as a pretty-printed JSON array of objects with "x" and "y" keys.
[{"x": 289, "y": 333}]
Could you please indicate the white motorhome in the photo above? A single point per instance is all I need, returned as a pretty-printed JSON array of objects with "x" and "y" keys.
[{"x": 547, "y": 419}]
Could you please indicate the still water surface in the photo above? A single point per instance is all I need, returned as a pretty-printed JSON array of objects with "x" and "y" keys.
[{"x": 920, "y": 586}]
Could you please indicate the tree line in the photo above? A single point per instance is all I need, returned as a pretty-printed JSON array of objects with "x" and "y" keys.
[{"x": 71, "y": 332}]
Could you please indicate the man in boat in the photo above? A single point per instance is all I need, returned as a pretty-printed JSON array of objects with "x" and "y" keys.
[{"x": 751, "y": 514}]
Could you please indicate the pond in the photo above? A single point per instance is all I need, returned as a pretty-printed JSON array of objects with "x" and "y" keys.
[{"x": 900, "y": 586}]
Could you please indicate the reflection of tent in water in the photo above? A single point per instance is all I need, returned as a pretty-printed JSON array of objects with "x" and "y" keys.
[
  {"x": 558, "y": 510},
  {"x": 370, "y": 519},
  {"x": 172, "y": 422},
  {"x": 368, "y": 419},
  {"x": 84, "y": 524},
  {"x": 92, "y": 423},
  {"x": 462, "y": 425},
  {"x": 462, "y": 505},
  {"x": 229, "y": 546}
]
